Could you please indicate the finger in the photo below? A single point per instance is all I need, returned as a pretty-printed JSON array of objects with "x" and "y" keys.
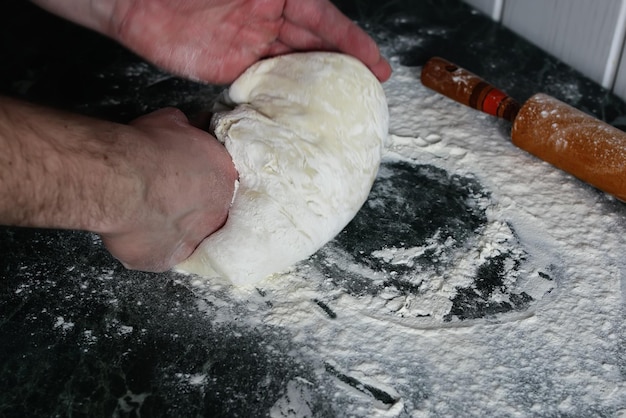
[
  {"x": 165, "y": 116},
  {"x": 323, "y": 19},
  {"x": 382, "y": 69},
  {"x": 300, "y": 38},
  {"x": 182, "y": 252},
  {"x": 278, "y": 48}
]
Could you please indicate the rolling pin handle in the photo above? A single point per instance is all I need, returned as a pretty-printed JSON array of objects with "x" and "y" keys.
[{"x": 467, "y": 88}]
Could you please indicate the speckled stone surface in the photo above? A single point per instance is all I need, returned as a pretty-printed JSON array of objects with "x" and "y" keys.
[{"x": 82, "y": 337}]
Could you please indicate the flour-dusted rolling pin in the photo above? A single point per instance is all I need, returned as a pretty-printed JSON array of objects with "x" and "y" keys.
[{"x": 567, "y": 138}]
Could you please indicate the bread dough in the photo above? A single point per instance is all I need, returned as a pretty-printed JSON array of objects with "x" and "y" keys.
[{"x": 306, "y": 132}]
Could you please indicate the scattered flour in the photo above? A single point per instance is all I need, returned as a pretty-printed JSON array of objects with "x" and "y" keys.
[{"x": 562, "y": 356}]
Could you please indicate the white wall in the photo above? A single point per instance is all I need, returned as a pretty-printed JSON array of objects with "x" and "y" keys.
[{"x": 588, "y": 35}]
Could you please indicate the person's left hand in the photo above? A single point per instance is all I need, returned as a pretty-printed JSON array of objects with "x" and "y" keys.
[{"x": 216, "y": 40}]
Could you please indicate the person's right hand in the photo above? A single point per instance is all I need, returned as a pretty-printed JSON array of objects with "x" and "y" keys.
[
  {"x": 187, "y": 185},
  {"x": 153, "y": 190}
]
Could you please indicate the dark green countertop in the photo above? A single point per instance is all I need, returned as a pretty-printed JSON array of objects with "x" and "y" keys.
[{"x": 82, "y": 336}]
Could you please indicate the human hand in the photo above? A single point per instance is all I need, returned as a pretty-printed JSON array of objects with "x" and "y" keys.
[
  {"x": 216, "y": 40},
  {"x": 188, "y": 181},
  {"x": 153, "y": 190}
]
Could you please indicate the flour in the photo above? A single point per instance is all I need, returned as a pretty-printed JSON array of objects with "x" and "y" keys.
[
  {"x": 386, "y": 317},
  {"x": 397, "y": 324},
  {"x": 476, "y": 281}
]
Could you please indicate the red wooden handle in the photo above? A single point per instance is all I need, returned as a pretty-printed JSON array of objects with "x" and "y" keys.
[{"x": 467, "y": 88}]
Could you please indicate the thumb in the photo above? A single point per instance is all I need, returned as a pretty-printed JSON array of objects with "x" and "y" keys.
[{"x": 167, "y": 116}]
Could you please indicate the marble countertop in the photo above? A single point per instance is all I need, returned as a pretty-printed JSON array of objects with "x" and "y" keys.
[{"x": 82, "y": 336}]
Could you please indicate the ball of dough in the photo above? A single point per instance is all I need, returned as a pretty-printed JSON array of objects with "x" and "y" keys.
[{"x": 306, "y": 132}]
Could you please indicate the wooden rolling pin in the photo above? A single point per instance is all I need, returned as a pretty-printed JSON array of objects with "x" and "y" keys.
[{"x": 567, "y": 138}]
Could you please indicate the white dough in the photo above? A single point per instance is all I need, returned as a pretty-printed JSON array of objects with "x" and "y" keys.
[{"x": 306, "y": 133}]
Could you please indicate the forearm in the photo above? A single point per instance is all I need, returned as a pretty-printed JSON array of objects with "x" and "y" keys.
[
  {"x": 59, "y": 170},
  {"x": 99, "y": 15}
]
